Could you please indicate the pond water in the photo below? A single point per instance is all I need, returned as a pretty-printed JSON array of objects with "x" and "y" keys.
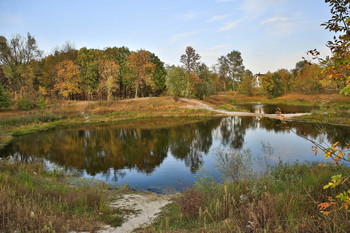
[
  {"x": 164, "y": 154},
  {"x": 271, "y": 108}
]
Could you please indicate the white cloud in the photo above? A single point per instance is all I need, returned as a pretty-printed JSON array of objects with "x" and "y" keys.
[
  {"x": 229, "y": 26},
  {"x": 281, "y": 26},
  {"x": 187, "y": 34},
  {"x": 275, "y": 20},
  {"x": 210, "y": 55},
  {"x": 253, "y": 5},
  {"x": 189, "y": 15},
  {"x": 218, "y": 47},
  {"x": 217, "y": 18},
  {"x": 14, "y": 19}
]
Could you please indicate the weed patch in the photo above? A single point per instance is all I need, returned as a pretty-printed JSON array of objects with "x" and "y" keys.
[
  {"x": 283, "y": 201},
  {"x": 32, "y": 201}
]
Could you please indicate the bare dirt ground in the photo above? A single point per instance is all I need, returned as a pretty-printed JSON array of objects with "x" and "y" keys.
[{"x": 143, "y": 209}]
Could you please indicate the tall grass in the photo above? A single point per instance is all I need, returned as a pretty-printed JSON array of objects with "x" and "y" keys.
[
  {"x": 284, "y": 201},
  {"x": 30, "y": 119},
  {"x": 32, "y": 200}
]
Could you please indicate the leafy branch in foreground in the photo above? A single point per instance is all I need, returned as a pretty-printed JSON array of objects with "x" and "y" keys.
[
  {"x": 338, "y": 154},
  {"x": 337, "y": 67}
]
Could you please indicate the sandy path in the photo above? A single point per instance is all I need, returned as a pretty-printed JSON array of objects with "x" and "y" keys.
[
  {"x": 143, "y": 207},
  {"x": 199, "y": 105}
]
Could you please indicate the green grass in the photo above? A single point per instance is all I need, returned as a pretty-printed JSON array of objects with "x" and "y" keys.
[
  {"x": 33, "y": 200},
  {"x": 337, "y": 114},
  {"x": 283, "y": 201},
  {"x": 31, "y": 119}
]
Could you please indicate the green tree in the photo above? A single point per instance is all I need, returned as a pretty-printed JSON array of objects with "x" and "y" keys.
[
  {"x": 223, "y": 72},
  {"x": 207, "y": 83},
  {"x": 159, "y": 75},
  {"x": 88, "y": 67},
  {"x": 177, "y": 82},
  {"x": 271, "y": 84},
  {"x": 120, "y": 55},
  {"x": 246, "y": 86},
  {"x": 236, "y": 70},
  {"x": 231, "y": 68},
  {"x": 4, "y": 98},
  {"x": 190, "y": 60}
]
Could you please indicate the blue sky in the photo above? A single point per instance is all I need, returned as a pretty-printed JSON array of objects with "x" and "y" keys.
[{"x": 270, "y": 34}]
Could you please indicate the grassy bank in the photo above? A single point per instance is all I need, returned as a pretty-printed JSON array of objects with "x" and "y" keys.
[
  {"x": 72, "y": 113},
  {"x": 330, "y": 114},
  {"x": 333, "y": 108},
  {"x": 283, "y": 201},
  {"x": 33, "y": 200}
]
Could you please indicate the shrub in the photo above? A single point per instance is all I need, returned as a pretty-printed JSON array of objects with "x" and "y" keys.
[
  {"x": 25, "y": 103},
  {"x": 4, "y": 98},
  {"x": 190, "y": 202},
  {"x": 41, "y": 103}
]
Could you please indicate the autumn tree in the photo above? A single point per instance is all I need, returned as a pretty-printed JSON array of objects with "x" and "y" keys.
[
  {"x": 308, "y": 79},
  {"x": 299, "y": 66},
  {"x": 14, "y": 53},
  {"x": 108, "y": 71},
  {"x": 119, "y": 55},
  {"x": 337, "y": 67},
  {"x": 141, "y": 69},
  {"x": 48, "y": 65},
  {"x": 190, "y": 60},
  {"x": 68, "y": 83},
  {"x": 287, "y": 80}
]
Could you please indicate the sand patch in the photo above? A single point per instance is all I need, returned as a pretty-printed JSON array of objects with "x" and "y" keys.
[{"x": 143, "y": 209}]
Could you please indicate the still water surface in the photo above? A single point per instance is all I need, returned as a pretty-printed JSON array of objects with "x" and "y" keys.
[{"x": 162, "y": 155}]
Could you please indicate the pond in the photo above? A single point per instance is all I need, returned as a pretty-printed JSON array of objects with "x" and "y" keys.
[
  {"x": 271, "y": 108},
  {"x": 165, "y": 155}
]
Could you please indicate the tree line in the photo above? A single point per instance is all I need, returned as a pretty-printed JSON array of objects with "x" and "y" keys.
[
  {"x": 84, "y": 74},
  {"x": 305, "y": 78},
  {"x": 119, "y": 73}
]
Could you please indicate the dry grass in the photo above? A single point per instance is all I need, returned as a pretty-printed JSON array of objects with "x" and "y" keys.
[
  {"x": 32, "y": 200},
  {"x": 316, "y": 97},
  {"x": 282, "y": 202}
]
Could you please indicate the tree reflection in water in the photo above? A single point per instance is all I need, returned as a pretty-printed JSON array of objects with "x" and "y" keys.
[{"x": 113, "y": 150}]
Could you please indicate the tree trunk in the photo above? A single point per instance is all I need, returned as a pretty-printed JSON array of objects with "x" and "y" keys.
[{"x": 136, "y": 92}]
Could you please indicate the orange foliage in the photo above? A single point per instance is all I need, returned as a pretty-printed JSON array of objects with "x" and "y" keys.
[{"x": 68, "y": 80}]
